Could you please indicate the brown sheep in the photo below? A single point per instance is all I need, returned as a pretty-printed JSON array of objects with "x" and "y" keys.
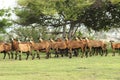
[
  {"x": 45, "y": 47},
  {"x": 5, "y": 48},
  {"x": 59, "y": 46},
  {"x": 73, "y": 44},
  {"x": 35, "y": 47},
  {"x": 21, "y": 47},
  {"x": 115, "y": 47},
  {"x": 96, "y": 44}
]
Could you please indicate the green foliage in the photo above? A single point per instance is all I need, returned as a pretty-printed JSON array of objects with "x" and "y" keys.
[
  {"x": 2, "y": 12},
  {"x": 71, "y": 9},
  {"x": 28, "y": 32},
  {"x": 4, "y": 20},
  {"x": 95, "y": 14},
  {"x": 115, "y": 1},
  {"x": 102, "y": 18}
]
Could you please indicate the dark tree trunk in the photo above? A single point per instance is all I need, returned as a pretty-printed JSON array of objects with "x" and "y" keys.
[
  {"x": 75, "y": 30},
  {"x": 64, "y": 31},
  {"x": 71, "y": 31}
]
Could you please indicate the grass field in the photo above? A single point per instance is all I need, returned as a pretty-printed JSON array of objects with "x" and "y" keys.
[{"x": 91, "y": 68}]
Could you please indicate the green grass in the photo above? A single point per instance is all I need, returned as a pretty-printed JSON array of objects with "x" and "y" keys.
[{"x": 91, "y": 68}]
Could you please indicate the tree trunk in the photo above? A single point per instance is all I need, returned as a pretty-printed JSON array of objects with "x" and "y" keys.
[
  {"x": 64, "y": 31},
  {"x": 71, "y": 31},
  {"x": 75, "y": 30}
]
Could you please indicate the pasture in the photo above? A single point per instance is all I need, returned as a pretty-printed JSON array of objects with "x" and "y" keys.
[{"x": 91, "y": 68}]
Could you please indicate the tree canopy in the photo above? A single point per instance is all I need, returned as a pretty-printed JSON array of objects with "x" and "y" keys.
[
  {"x": 4, "y": 20},
  {"x": 94, "y": 14}
]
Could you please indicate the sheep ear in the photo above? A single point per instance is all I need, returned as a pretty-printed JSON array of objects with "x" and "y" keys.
[
  {"x": 12, "y": 39},
  {"x": 40, "y": 39},
  {"x": 19, "y": 41},
  {"x": 31, "y": 38}
]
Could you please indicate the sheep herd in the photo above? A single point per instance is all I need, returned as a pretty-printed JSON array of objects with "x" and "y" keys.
[{"x": 60, "y": 47}]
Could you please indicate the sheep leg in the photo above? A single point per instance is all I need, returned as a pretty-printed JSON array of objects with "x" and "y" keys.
[
  {"x": 106, "y": 51},
  {"x": 33, "y": 56},
  {"x": 119, "y": 51},
  {"x": 70, "y": 53},
  {"x": 9, "y": 55},
  {"x": 86, "y": 52},
  {"x": 61, "y": 52},
  {"x": 27, "y": 56},
  {"x": 57, "y": 53},
  {"x": 90, "y": 52},
  {"x": 20, "y": 55},
  {"x": 16, "y": 56},
  {"x": 113, "y": 53},
  {"x": 76, "y": 52},
  {"x": 38, "y": 54},
  {"x": 66, "y": 52},
  {"x": 97, "y": 51},
  {"x": 47, "y": 55},
  {"x": 82, "y": 53},
  {"x": 100, "y": 51},
  {"x": 4, "y": 55}
]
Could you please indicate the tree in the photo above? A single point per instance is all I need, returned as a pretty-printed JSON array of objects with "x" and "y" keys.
[
  {"x": 102, "y": 15},
  {"x": 94, "y": 14},
  {"x": 4, "y": 20},
  {"x": 57, "y": 13}
]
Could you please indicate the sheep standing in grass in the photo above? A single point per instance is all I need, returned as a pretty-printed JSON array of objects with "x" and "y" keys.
[
  {"x": 98, "y": 46},
  {"x": 74, "y": 45},
  {"x": 21, "y": 47},
  {"x": 58, "y": 46},
  {"x": 115, "y": 47},
  {"x": 44, "y": 47}
]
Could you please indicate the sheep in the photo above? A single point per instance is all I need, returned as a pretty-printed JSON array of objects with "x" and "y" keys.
[
  {"x": 73, "y": 44},
  {"x": 35, "y": 47},
  {"x": 5, "y": 48},
  {"x": 45, "y": 47},
  {"x": 21, "y": 47},
  {"x": 115, "y": 47},
  {"x": 96, "y": 45},
  {"x": 59, "y": 46},
  {"x": 84, "y": 45}
]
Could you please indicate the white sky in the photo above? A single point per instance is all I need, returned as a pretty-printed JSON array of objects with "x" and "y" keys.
[{"x": 7, "y": 4}]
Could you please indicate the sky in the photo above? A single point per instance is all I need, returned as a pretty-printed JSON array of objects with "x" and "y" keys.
[{"x": 7, "y": 4}]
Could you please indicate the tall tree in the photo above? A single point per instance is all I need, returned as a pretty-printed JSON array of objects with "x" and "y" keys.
[
  {"x": 57, "y": 13},
  {"x": 95, "y": 14}
]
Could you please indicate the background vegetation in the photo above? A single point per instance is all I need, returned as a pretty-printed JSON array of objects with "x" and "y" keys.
[{"x": 66, "y": 15}]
